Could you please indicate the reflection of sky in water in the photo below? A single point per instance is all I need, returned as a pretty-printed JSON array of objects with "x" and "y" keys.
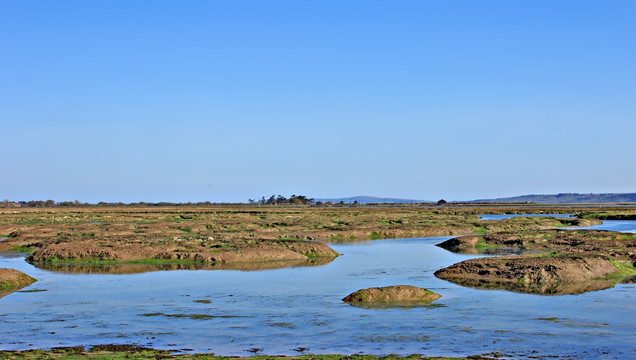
[
  {"x": 279, "y": 310},
  {"x": 628, "y": 226}
]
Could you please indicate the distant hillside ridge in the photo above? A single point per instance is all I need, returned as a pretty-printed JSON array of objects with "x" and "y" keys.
[
  {"x": 567, "y": 198},
  {"x": 373, "y": 200}
]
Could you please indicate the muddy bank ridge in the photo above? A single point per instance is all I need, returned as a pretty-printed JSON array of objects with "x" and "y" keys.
[
  {"x": 553, "y": 261},
  {"x": 11, "y": 280}
]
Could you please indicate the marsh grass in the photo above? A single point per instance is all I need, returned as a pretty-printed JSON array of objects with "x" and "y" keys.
[
  {"x": 23, "y": 249},
  {"x": 625, "y": 269}
]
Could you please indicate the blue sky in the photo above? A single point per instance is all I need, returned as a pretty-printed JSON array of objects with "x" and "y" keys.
[{"x": 129, "y": 101}]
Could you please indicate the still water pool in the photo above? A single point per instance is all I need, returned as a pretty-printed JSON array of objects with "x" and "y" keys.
[{"x": 228, "y": 312}]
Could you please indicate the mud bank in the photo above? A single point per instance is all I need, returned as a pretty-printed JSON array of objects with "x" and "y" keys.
[
  {"x": 188, "y": 253},
  {"x": 545, "y": 275},
  {"x": 12, "y": 280},
  {"x": 143, "y": 353},
  {"x": 392, "y": 295},
  {"x": 554, "y": 261},
  {"x": 608, "y": 243}
]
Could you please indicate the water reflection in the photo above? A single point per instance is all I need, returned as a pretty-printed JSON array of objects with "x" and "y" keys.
[
  {"x": 542, "y": 288},
  {"x": 394, "y": 305},
  {"x": 88, "y": 268}
]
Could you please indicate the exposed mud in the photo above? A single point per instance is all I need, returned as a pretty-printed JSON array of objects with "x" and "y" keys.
[
  {"x": 12, "y": 280},
  {"x": 545, "y": 275},
  {"x": 555, "y": 261},
  {"x": 196, "y": 251},
  {"x": 398, "y": 295},
  {"x": 126, "y": 351},
  {"x": 224, "y": 235},
  {"x": 611, "y": 244}
]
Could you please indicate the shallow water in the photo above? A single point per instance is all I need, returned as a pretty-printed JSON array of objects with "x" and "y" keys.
[
  {"x": 627, "y": 226},
  {"x": 229, "y": 311}
]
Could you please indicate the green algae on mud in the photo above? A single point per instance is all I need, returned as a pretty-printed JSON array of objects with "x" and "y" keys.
[
  {"x": 11, "y": 280},
  {"x": 404, "y": 296},
  {"x": 135, "y": 352},
  {"x": 553, "y": 275}
]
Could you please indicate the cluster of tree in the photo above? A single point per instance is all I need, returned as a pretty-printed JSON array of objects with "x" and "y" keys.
[{"x": 281, "y": 200}]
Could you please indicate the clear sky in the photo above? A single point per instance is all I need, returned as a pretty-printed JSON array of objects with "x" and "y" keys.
[{"x": 123, "y": 100}]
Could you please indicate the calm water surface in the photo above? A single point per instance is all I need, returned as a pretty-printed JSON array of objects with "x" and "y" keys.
[
  {"x": 627, "y": 226},
  {"x": 228, "y": 312}
]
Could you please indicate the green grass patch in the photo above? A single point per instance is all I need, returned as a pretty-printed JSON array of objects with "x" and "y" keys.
[
  {"x": 20, "y": 248},
  {"x": 375, "y": 236},
  {"x": 620, "y": 237},
  {"x": 625, "y": 269},
  {"x": 482, "y": 245},
  {"x": 480, "y": 230}
]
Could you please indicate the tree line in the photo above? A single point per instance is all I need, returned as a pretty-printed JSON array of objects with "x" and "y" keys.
[{"x": 281, "y": 200}]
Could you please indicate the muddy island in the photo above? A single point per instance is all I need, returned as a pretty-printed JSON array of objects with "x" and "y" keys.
[
  {"x": 11, "y": 280},
  {"x": 392, "y": 295},
  {"x": 552, "y": 262},
  {"x": 183, "y": 251}
]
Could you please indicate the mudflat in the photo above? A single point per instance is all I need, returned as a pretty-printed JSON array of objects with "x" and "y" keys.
[
  {"x": 143, "y": 353},
  {"x": 103, "y": 239}
]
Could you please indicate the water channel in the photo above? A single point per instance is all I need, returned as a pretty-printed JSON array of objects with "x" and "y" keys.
[{"x": 228, "y": 311}]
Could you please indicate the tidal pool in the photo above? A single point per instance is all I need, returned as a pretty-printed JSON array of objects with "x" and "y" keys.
[
  {"x": 229, "y": 311},
  {"x": 627, "y": 226}
]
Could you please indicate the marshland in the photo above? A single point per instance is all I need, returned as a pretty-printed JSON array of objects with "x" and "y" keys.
[{"x": 245, "y": 280}]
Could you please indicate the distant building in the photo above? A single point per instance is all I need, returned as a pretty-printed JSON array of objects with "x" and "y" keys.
[{"x": 441, "y": 202}]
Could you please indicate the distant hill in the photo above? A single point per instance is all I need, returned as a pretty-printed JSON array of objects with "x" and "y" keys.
[
  {"x": 372, "y": 200},
  {"x": 568, "y": 198}
]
